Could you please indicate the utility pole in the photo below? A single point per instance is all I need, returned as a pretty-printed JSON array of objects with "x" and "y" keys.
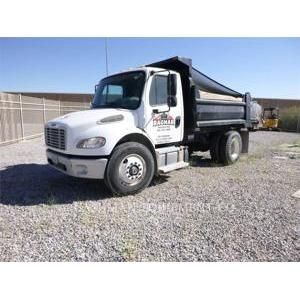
[{"x": 106, "y": 56}]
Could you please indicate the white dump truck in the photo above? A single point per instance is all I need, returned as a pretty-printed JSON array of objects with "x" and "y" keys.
[{"x": 147, "y": 121}]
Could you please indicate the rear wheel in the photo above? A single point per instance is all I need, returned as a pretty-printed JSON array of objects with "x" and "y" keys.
[
  {"x": 214, "y": 148},
  {"x": 130, "y": 169},
  {"x": 230, "y": 147}
]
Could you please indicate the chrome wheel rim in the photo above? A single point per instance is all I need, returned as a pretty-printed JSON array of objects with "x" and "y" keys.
[
  {"x": 234, "y": 149},
  {"x": 132, "y": 169}
]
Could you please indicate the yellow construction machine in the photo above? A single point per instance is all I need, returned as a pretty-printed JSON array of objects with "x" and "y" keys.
[{"x": 270, "y": 118}]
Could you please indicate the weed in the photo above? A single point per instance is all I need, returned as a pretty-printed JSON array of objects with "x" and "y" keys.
[{"x": 129, "y": 250}]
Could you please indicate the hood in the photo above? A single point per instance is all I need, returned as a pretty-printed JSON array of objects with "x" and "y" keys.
[{"x": 88, "y": 118}]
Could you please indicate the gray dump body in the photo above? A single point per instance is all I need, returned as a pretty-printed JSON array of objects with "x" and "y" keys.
[{"x": 208, "y": 112}]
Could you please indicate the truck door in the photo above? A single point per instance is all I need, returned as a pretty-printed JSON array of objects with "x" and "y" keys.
[{"x": 165, "y": 123}]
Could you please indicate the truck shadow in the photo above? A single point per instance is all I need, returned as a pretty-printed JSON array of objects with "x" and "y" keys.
[
  {"x": 34, "y": 184},
  {"x": 202, "y": 161}
]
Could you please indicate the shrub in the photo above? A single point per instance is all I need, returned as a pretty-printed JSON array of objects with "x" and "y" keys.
[{"x": 290, "y": 119}]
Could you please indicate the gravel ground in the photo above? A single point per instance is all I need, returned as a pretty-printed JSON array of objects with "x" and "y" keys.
[{"x": 243, "y": 212}]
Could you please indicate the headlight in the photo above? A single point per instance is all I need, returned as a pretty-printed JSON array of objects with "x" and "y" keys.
[{"x": 92, "y": 143}]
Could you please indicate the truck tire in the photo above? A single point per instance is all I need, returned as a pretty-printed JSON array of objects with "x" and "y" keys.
[
  {"x": 130, "y": 169},
  {"x": 230, "y": 147},
  {"x": 214, "y": 148}
]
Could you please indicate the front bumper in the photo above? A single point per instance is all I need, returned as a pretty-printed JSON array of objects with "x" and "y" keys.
[{"x": 78, "y": 167}]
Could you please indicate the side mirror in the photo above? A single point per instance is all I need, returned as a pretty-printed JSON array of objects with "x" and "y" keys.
[
  {"x": 172, "y": 90},
  {"x": 172, "y": 101},
  {"x": 172, "y": 85},
  {"x": 96, "y": 87}
]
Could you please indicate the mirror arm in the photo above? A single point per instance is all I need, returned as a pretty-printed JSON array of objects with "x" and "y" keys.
[
  {"x": 156, "y": 111},
  {"x": 155, "y": 72}
]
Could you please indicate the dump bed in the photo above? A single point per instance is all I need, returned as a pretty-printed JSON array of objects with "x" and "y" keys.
[
  {"x": 217, "y": 112},
  {"x": 221, "y": 105}
]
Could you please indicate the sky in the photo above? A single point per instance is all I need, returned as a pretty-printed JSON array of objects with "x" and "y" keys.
[{"x": 266, "y": 67}]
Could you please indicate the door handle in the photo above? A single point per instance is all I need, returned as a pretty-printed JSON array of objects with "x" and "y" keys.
[{"x": 177, "y": 121}]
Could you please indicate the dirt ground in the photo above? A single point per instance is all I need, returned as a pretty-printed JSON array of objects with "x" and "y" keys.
[{"x": 206, "y": 212}]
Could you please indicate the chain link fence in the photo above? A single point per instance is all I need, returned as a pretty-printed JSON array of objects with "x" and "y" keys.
[{"x": 23, "y": 117}]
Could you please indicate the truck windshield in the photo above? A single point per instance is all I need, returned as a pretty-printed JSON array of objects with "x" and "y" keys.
[{"x": 120, "y": 91}]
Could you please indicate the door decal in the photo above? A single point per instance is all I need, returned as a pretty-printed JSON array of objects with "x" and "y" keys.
[{"x": 163, "y": 120}]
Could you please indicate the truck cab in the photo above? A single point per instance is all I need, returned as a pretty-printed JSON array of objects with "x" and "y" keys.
[{"x": 147, "y": 121}]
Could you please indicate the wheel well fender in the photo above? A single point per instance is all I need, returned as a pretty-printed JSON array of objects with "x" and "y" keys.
[{"x": 142, "y": 139}]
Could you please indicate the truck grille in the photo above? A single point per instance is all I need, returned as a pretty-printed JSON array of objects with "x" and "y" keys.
[{"x": 55, "y": 137}]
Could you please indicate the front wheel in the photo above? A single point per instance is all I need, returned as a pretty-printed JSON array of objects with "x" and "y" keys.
[{"x": 130, "y": 169}]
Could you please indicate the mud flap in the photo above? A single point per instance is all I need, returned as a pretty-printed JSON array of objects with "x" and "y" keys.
[{"x": 245, "y": 140}]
